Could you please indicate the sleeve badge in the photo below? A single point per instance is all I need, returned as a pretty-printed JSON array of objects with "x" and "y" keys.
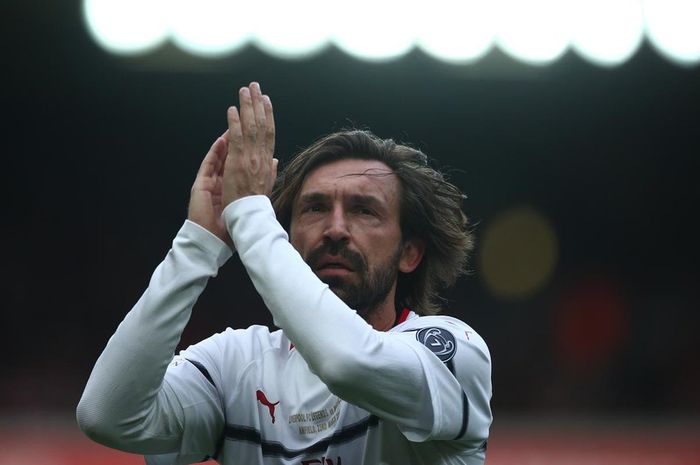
[{"x": 440, "y": 342}]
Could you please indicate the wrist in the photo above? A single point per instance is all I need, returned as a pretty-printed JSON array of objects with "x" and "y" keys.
[{"x": 207, "y": 240}]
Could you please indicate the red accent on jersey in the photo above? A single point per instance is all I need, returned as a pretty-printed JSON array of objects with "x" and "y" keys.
[
  {"x": 403, "y": 316},
  {"x": 263, "y": 400}
]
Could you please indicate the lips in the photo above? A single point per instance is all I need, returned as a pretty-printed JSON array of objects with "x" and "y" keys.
[
  {"x": 333, "y": 263},
  {"x": 334, "y": 258}
]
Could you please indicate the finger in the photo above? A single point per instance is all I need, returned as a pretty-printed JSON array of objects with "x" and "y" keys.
[
  {"x": 258, "y": 107},
  {"x": 247, "y": 120},
  {"x": 224, "y": 152},
  {"x": 221, "y": 150},
  {"x": 235, "y": 132},
  {"x": 259, "y": 110},
  {"x": 269, "y": 125},
  {"x": 209, "y": 165},
  {"x": 272, "y": 176}
]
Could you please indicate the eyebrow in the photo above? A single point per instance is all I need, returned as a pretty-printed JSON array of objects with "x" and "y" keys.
[{"x": 363, "y": 199}]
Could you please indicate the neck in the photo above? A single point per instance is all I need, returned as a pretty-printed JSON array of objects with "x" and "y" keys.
[{"x": 384, "y": 316}]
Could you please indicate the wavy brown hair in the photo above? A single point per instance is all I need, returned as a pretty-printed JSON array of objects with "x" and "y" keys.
[{"x": 430, "y": 209}]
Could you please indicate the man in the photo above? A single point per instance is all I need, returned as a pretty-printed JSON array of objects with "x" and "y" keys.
[{"x": 355, "y": 375}]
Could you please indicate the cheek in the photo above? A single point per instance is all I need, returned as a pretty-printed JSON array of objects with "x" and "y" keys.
[
  {"x": 294, "y": 238},
  {"x": 298, "y": 240}
]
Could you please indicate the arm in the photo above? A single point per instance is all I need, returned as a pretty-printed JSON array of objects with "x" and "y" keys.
[{"x": 126, "y": 403}]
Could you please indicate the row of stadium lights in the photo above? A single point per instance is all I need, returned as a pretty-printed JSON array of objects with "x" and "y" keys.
[{"x": 537, "y": 32}]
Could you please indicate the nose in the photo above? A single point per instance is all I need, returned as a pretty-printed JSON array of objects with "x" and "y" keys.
[{"x": 336, "y": 227}]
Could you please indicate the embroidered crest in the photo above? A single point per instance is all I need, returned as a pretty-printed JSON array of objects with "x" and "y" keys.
[{"x": 440, "y": 342}]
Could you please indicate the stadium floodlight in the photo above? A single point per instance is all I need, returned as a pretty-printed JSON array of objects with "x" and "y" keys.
[
  {"x": 456, "y": 32},
  {"x": 147, "y": 22},
  {"x": 374, "y": 30},
  {"x": 210, "y": 27},
  {"x": 292, "y": 29},
  {"x": 534, "y": 31},
  {"x": 606, "y": 32},
  {"x": 673, "y": 27}
]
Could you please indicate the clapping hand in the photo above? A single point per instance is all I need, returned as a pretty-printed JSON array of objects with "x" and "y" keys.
[
  {"x": 238, "y": 164},
  {"x": 250, "y": 168}
]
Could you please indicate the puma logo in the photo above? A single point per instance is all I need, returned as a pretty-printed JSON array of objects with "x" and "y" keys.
[{"x": 263, "y": 400}]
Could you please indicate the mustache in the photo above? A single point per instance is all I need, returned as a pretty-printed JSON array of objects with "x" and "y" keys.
[{"x": 336, "y": 249}]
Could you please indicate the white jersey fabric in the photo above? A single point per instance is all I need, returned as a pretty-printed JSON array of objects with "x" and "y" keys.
[{"x": 325, "y": 389}]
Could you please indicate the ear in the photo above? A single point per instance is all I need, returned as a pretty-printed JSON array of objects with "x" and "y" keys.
[{"x": 411, "y": 255}]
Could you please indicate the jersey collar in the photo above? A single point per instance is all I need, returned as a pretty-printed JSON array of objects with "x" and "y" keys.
[{"x": 402, "y": 316}]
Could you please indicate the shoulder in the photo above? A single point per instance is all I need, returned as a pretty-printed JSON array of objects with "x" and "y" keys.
[
  {"x": 223, "y": 357},
  {"x": 453, "y": 341},
  {"x": 437, "y": 328},
  {"x": 237, "y": 345}
]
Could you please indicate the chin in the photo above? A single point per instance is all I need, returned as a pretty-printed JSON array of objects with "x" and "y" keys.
[{"x": 339, "y": 291}]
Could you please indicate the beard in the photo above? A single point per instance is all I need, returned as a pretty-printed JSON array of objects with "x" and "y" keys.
[{"x": 366, "y": 295}]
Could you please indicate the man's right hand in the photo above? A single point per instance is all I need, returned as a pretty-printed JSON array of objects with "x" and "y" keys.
[{"x": 206, "y": 198}]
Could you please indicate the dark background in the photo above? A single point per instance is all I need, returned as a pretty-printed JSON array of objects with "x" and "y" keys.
[{"x": 100, "y": 152}]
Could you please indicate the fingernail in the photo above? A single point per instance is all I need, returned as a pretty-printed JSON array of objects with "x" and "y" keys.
[{"x": 267, "y": 99}]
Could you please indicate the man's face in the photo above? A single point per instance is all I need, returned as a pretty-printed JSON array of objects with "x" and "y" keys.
[{"x": 345, "y": 224}]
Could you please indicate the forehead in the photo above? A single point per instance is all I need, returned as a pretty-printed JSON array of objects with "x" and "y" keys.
[{"x": 353, "y": 176}]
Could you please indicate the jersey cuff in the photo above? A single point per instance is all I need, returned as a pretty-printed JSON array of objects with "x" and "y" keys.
[
  {"x": 245, "y": 206},
  {"x": 207, "y": 241}
]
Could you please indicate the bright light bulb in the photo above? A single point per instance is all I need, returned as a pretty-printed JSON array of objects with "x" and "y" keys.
[
  {"x": 210, "y": 27},
  {"x": 127, "y": 27},
  {"x": 374, "y": 30},
  {"x": 458, "y": 32},
  {"x": 293, "y": 29},
  {"x": 607, "y": 32},
  {"x": 673, "y": 27},
  {"x": 534, "y": 31}
]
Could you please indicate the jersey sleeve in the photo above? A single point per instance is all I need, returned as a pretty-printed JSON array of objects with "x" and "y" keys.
[
  {"x": 202, "y": 377},
  {"x": 191, "y": 384},
  {"x": 393, "y": 376},
  {"x": 129, "y": 402},
  {"x": 450, "y": 351}
]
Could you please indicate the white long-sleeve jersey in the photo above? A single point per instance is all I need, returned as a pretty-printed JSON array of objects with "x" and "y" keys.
[{"x": 326, "y": 389}]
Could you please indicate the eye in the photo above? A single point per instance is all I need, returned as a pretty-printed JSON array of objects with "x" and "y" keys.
[
  {"x": 313, "y": 208},
  {"x": 364, "y": 210}
]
